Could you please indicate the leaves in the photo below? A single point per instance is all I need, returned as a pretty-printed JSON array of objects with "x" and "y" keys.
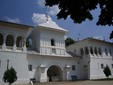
[
  {"x": 80, "y": 10},
  {"x": 10, "y": 75},
  {"x": 69, "y": 41},
  {"x": 107, "y": 71}
]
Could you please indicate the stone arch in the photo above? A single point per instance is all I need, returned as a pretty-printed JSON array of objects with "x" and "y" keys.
[
  {"x": 20, "y": 41},
  {"x": 1, "y": 39},
  {"x": 54, "y": 73},
  {"x": 10, "y": 40}
]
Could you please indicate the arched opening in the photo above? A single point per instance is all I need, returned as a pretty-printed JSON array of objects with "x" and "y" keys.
[
  {"x": 106, "y": 51},
  {"x": 9, "y": 40},
  {"x": 1, "y": 39},
  {"x": 86, "y": 51},
  {"x": 54, "y": 73},
  {"x": 96, "y": 51},
  {"x": 91, "y": 50},
  {"x": 19, "y": 41},
  {"x": 99, "y": 51}
]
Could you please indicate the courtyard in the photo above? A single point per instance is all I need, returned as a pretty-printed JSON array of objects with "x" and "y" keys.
[{"x": 87, "y": 82}]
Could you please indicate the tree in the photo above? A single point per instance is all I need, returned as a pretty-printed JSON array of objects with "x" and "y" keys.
[
  {"x": 107, "y": 71},
  {"x": 69, "y": 41},
  {"x": 80, "y": 10},
  {"x": 10, "y": 76}
]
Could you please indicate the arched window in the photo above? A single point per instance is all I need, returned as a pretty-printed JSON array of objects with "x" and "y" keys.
[
  {"x": 86, "y": 51},
  {"x": 52, "y": 42},
  {"x": 99, "y": 51},
  {"x": 96, "y": 51},
  {"x": 81, "y": 52},
  {"x": 91, "y": 50},
  {"x": 106, "y": 51},
  {"x": 19, "y": 41},
  {"x": 1, "y": 39},
  {"x": 9, "y": 40}
]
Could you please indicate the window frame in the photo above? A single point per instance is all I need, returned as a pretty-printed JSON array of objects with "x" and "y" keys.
[
  {"x": 30, "y": 68},
  {"x": 73, "y": 67}
]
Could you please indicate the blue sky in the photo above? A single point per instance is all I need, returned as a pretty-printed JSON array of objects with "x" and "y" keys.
[{"x": 23, "y": 11}]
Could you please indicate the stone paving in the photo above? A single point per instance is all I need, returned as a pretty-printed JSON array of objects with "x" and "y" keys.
[{"x": 87, "y": 82}]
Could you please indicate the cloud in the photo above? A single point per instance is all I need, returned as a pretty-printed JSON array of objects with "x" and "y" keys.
[
  {"x": 99, "y": 37},
  {"x": 50, "y": 10},
  {"x": 39, "y": 18},
  {"x": 41, "y": 3},
  {"x": 44, "y": 20},
  {"x": 53, "y": 10},
  {"x": 15, "y": 20}
]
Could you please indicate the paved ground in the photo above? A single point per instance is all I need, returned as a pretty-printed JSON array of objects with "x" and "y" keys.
[{"x": 78, "y": 83}]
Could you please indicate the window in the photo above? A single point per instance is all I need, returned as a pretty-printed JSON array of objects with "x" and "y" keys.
[
  {"x": 73, "y": 67},
  {"x": 30, "y": 67},
  {"x": 86, "y": 51},
  {"x": 19, "y": 41},
  {"x": 9, "y": 40},
  {"x": 52, "y": 42},
  {"x": 53, "y": 51},
  {"x": 102, "y": 66}
]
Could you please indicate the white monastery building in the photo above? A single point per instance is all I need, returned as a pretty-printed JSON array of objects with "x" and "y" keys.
[{"x": 39, "y": 54}]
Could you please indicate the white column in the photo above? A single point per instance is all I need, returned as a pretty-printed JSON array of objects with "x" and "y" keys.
[
  {"x": 66, "y": 73},
  {"x": 43, "y": 73},
  {"x": 14, "y": 46},
  {"x": 4, "y": 41},
  {"x": 24, "y": 47}
]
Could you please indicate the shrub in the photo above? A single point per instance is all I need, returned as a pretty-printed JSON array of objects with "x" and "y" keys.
[
  {"x": 10, "y": 76},
  {"x": 107, "y": 71}
]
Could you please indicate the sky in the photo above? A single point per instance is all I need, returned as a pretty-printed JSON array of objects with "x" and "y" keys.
[{"x": 31, "y": 12}]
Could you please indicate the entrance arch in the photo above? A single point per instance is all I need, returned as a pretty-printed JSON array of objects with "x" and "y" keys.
[{"x": 54, "y": 73}]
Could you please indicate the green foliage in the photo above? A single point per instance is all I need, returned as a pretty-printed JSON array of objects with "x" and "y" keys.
[
  {"x": 69, "y": 41},
  {"x": 107, "y": 71},
  {"x": 80, "y": 10},
  {"x": 10, "y": 76}
]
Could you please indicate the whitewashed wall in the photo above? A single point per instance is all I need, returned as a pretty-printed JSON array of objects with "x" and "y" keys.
[
  {"x": 16, "y": 60},
  {"x": 48, "y": 61}
]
